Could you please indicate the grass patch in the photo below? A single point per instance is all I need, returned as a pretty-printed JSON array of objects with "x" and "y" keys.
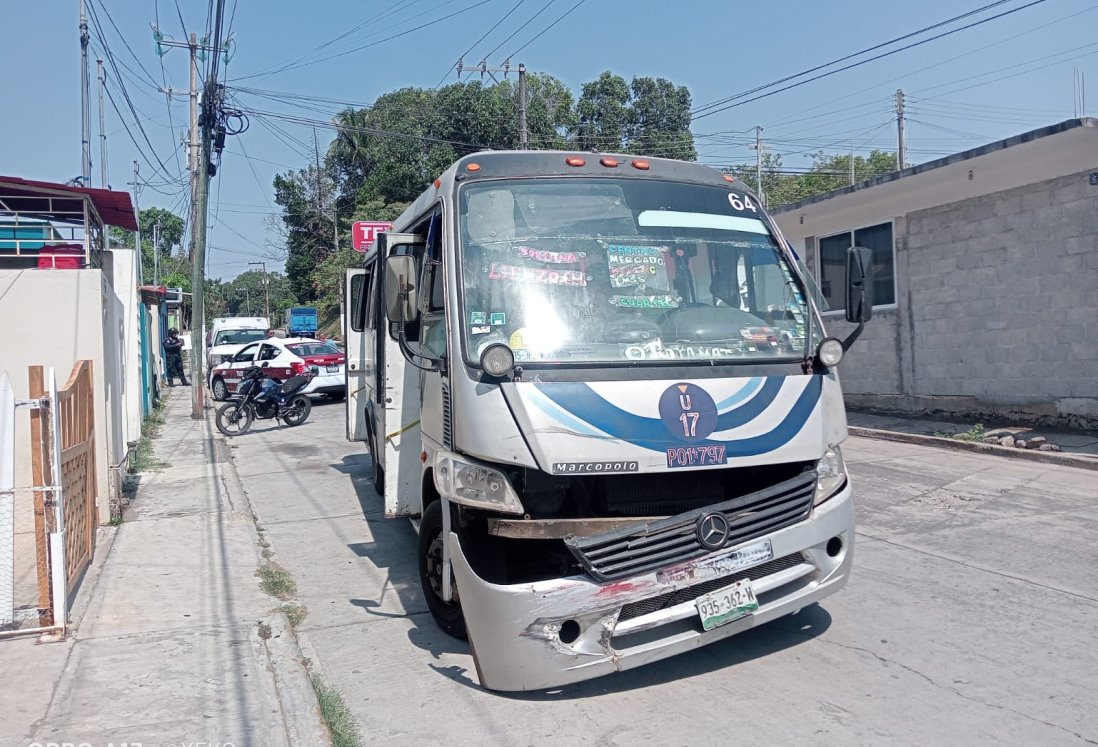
[
  {"x": 295, "y": 613},
  {"x": 341, "y": 724},
  {"x": 975, "y": 433},
  {"x": 143, "y": 459},
  {"x": 277, "y": 582}
]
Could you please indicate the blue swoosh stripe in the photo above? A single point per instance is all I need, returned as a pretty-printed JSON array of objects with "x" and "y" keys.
[
  {"x": 537, "y": 398},
  {"x": 750, "y": 387},
  {"x": 580, "y": 400},
  {"x": 753, "y": 407}
]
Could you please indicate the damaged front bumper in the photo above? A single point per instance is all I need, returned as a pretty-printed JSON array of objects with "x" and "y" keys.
[{"x": 546, "y": 634}]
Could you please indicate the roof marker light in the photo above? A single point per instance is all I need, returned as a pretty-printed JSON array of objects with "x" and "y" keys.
[
  {"x": 609, "y": 162},
  {"x": 729, "y": 178},
  {"x": 574, "y": 161},
  {"x": 438, "y": 183},
  {"x": 640, "y": 164},
  {"x": 472, "y": 167}
]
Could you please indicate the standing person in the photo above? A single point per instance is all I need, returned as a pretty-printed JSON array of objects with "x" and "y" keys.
[{"x": 173, "y": 350}]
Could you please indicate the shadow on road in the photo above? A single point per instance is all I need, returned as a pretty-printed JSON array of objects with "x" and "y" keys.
[{"x": 393, "y": 550}]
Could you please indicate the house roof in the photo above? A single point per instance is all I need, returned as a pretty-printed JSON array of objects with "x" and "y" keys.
[
  {"x": 983, "y": 150},
  {"x": 114, "y": 208}
]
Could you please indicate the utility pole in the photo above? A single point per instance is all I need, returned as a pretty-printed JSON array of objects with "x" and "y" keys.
[
  {"x": 901, "y": 160},
  {"x": 102, "y": 127},
  {"x": 192, "y": 47},
  {"x": 266, "y": 288},
  {"x": 210, "y": 118},
  {"x": 759, "y": 147},
  {"x": 85, "y": 112},
  {"x": 137, "y": 210},
  {"x": 523, "y": 134},
  {"x": 851, "y": 163},
  {"x": 524, "y": 138},
  {"x": 156, "y": 254}
]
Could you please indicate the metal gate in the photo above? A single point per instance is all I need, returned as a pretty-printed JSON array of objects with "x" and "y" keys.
[{"x": 63, "y": 495}]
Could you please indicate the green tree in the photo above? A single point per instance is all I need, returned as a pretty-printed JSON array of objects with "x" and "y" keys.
[
  {"x": 659, "y": 119},
  {"x": 827, "y": 173},
  {"x": 602, "y": 114},
  {"x": 170, "y": 235}
]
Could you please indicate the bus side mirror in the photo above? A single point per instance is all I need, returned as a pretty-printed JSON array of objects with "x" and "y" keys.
[
  {"x": 859, "y": 292},
  {"x": 401, "y": 275}
]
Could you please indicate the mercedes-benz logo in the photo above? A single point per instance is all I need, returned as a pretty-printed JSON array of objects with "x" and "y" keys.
[{"x": 712, "y": 531}]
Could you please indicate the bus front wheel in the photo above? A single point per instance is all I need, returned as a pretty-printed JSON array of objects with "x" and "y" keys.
[{"x": 448, "y": 615}]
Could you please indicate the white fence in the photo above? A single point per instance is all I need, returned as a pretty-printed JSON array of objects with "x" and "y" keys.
[{"x": 42, "y": 555}]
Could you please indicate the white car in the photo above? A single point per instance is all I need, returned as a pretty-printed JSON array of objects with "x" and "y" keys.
[
  {"x": 228, "y": 342},
  {"x": 285, "y": 358}
]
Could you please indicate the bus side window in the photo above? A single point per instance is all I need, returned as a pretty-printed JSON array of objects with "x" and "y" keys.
[
  {"x": 357, "y": 301},
  {"x": 369, "y": 300},
  {"x": 433, "y": 317}
]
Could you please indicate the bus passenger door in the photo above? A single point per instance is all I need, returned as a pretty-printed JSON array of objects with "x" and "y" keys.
[
  {"x": 359, "y": 336},
  {"x": 399, "y": 412}
]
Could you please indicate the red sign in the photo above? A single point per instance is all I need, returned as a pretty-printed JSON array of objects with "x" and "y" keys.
[{"x": 364, "y": 233}]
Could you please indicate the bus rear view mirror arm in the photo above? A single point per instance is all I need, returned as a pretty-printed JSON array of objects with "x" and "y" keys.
[
  {"x": 859, "y": 291},
  {"x": 400, "y": 308}
]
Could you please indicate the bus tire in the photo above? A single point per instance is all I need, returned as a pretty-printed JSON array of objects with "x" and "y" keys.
[
  {"x": 377, "y": 474},
  {"x": 447, "y": 615}
]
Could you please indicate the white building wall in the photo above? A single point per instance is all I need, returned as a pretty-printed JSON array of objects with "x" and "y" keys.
[{"x": 55, "y": 318}]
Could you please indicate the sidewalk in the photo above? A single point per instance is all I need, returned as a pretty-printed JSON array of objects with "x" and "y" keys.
[
  {"x": 1075, "y": 448},
  {"x": 166, "y": 645}
]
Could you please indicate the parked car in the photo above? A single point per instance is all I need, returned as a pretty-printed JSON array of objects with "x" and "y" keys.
[
  {"x": 226, "y": 343},
  {"x": 286, "y": 357}
]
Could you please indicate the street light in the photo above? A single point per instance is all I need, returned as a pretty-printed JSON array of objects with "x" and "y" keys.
[{"x": 266, "y": 289}]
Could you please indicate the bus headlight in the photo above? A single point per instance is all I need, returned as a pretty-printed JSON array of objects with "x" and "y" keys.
[
  {"x": 471, "y": 484},
  {"x": 830, "y": 475}
]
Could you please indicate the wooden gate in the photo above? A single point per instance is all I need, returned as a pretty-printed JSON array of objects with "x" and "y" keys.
[{"x": 63, "y": 465}]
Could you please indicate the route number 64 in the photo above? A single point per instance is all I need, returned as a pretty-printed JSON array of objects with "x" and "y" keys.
[{"x": 743, "y": 203}]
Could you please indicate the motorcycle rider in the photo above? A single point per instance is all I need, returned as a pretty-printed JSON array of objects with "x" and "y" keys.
[{"x": 173, "y": 353}]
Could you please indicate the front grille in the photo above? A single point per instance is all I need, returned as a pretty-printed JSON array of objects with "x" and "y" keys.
[
  {"x": 639, "y": 549},
  {"x": 689, "y": 594}
]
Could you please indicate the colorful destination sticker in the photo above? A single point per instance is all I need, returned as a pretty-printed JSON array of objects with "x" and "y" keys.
[
  {"x": 556, "y": 258},
  {"x": 645, "y": 302},
  {"x": 628, "y": 276},
  {"x": 478, "y": 317},
  {"x": 498, "y": 318},
  {"x": 619, "y": 254},
  {"x": 540, "y": 275},
  {"x": 480, "y": 330}
]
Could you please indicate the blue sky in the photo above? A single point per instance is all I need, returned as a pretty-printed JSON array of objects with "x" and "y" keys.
[{"x": 998, "y": 79}]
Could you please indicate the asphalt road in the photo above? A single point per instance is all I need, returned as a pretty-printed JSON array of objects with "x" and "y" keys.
[{"x": 971, "y": 616}]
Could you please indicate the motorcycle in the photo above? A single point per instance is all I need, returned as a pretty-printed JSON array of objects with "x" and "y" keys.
[{"x": 260, "y": 397}]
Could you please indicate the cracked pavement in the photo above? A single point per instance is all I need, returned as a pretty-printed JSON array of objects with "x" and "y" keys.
[{"x": 970, "y": 616}]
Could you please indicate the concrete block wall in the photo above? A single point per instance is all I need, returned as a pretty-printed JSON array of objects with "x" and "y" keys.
[
  {"x": 1004, "y": 297},
  {"x": 997, "y": 308}
]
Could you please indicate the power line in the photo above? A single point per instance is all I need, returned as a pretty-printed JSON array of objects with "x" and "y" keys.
[
  {"x": 546, "y": 29},
  {"x": 849, "y": 56},
  {"x": 389, "y": 37},
  {"x": 278, "y": 67},
  {"x": 515, "y": 33},
  {"x": 742, "y": 101},
  {"x": 483, "y": 36}
]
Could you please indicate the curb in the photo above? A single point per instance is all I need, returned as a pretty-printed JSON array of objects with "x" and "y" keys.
[
  {"x": 274, "y": 642},
  {"x": 1048, "y": 457},
  {"x": 294, "y": 688}
]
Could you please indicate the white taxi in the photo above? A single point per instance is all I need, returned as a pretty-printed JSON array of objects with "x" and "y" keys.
[{"x": 285, "y": 358}]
